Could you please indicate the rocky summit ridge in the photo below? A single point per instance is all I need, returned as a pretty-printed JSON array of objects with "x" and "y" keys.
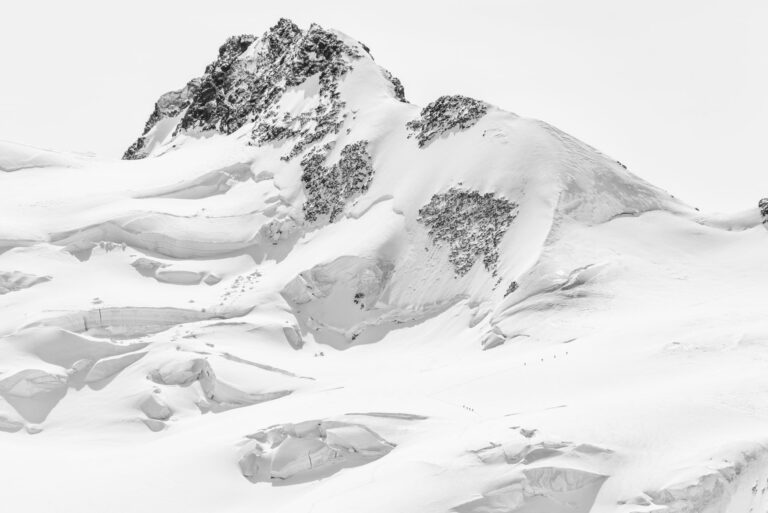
[{"x": 247, "y": 80}]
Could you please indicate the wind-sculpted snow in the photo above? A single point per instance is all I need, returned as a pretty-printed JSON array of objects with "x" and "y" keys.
[
  {"x": 445, "y": 114},
  {"x": 547, "y": 489},
  {"x": 735, "y": 483},
  {"x": 540, "y": 294},
  {"x": 471, "y": 224},
  {"x": 11, "y": 281},
  {"x": 161, "y": 272},
  {"x": 541, "y": 474},
  {"x": 40, "y": 364},
  {"x": 210, "y": 184},
  {"x": 310, "y": 450},
  {"x": 19, "y": 157},
  {"x": 343, "y": 302},
  {"x": 531, "y": 327},
  {"x": 170, "y": 235},
  {"x": 217, "y": 393},
  {"x": 129, "y": 322}
]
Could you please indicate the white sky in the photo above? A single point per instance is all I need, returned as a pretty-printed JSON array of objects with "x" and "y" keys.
[{"x": 675, "y": 89}]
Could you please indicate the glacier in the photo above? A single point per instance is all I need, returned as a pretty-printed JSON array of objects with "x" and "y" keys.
[{"x": 299, "y": 292}]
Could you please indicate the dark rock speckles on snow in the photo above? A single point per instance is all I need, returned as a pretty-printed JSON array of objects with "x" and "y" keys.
[
  {"x": 320, "y": 186},
  {"x": 512, "y": 287},
  {"x": 471, "y": 224},
  {"x": 329, "y": 188},
  {"x": 445, "y": 113},
  {"x": 763, "y": 206},
  {"x": 355, "y": 168}
]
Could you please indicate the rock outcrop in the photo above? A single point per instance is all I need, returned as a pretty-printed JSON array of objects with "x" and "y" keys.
[
  {"x": 444, "y": 114},
  {"x": 247, "y": 81},
  {"x": 170, "y": 105},
  {"x": 470, "y": 223},
  {"x": 329, "y": 188}
]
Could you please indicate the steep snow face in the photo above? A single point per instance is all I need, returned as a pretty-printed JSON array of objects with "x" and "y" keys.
[{"x": 298, "y": 290}]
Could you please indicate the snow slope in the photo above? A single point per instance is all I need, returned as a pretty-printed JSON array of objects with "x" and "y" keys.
[{"x": 300, "y": 292}]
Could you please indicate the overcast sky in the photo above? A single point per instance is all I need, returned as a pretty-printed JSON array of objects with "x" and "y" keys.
[{"x": 676, "y": 90}]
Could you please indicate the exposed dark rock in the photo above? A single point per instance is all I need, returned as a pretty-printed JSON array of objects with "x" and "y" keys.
[
  {"x": 210, "y": 100},
  {"x": 221, "y": 101},
  {"x": 168, "y": 105},
  {"x": 248, "y": 78},
  {"x": 321, "y": 185},
  {"x": 134, "y": 150},
  {"x": 366, "y": 48},
  {"x": 329, "y": 188},
  {"x": 445, "y": 113},
  {"x": 763, "y": 205},
  {"x": 356, "y": 169},
  {"x": 235, "y": 90},
  {"x": 512, "y": 287},
  {"x": 399, "y": 89},
  {"x": 470, "y": 223},
  {"x": 317, "y": 52}
]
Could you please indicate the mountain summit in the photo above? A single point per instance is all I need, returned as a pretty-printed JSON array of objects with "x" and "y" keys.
[
  {"x": 299, "y": 292},
  {"x": 248, "y": 82}
]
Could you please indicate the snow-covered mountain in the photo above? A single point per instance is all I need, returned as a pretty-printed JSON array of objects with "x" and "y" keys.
[{"x": 300, "y": 292}]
